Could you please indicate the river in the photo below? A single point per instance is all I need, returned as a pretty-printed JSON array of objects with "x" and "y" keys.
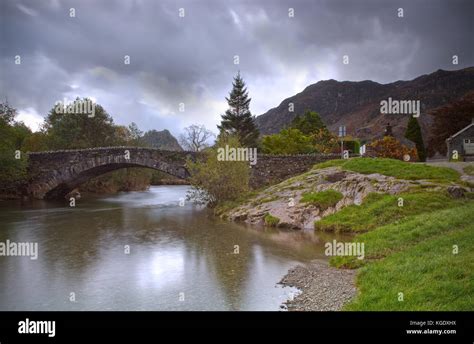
[{"x": 143, "y": 251}]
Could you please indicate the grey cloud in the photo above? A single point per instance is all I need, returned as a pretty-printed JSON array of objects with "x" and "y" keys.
[{"x": 189, "y": 59}]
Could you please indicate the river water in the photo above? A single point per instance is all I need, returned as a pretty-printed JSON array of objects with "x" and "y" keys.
[{"x": 143, "y": 251}]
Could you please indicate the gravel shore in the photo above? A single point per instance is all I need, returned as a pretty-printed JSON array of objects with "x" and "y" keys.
[{"x": 323, "y": 288}]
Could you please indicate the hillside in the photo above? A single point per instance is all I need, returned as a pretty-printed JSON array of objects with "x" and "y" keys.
[
  {"x": 357, "y": 104},
  {"x": 162, "y": 140}
]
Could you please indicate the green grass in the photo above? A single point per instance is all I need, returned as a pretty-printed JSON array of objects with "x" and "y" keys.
[
  {"x": 398, "y": 236},
  {"x": 425, "y": 270},
  {"x": 469, "y": 170},
  {"x": 400, "y": 169},
  {"x": 271, "y": 221},
  {"x": 394, "y": 168},
  {"x": 380, "y": 209},
  {"x": 329, "y": 163},
  {"x": 323, "y": 199}
]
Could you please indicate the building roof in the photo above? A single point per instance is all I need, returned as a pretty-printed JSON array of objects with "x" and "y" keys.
[{"x": 460, "y": 131}]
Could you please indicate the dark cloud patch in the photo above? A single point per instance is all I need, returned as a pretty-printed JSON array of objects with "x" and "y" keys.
[{"x": 190, "y": 59}]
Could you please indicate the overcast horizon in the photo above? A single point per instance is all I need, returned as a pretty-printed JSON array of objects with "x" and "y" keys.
[{"x": 190, "y": 59}]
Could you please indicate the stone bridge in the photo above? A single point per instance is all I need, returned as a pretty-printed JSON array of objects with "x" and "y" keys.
[{"x": 54, "y": 174}]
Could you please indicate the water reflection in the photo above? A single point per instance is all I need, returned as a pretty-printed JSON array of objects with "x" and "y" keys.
[{"x": 181, "y": 258}]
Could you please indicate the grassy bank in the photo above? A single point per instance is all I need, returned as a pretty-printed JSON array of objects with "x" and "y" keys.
[
  {"x": 380, "y": 209},
  {"x": 418, "y": 254},
  {"x": 417, "y": 244},
  {"x": 394, "y": 168},
  {"x": 418, "y": 258}
]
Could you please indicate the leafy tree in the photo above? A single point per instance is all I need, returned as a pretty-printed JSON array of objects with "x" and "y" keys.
[
  {"x": 448, "y": 120},
  {"x": 13, "y": 134},
  {"x": 36, "y": 142},
  {"x": 288, "y": 141},
  {"x": 122, "y": 135},
  {"x": 308, "y": 123},
  {"x": 214, "y": 181},
  {"x": 306, "y": 134},
  {"x": 195, "y": 138},
  {"x": 22, "y": 132},
  {"x": 75, "y": 131},
  {"x": 413, "y": 133},
  {"x": 135, "y": 133},
  {"x": 325, "y": 142},
  {"x": 7, "y": 113},
  {"x": 237, "y": 120}
]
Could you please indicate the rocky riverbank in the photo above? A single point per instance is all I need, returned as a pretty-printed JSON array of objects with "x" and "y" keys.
[
  {"x": 323, "y": 288},
  {"x": 285, "y": 202},
  {"x": 370, "y": 188},
  {"x": 290, "y": 204}
]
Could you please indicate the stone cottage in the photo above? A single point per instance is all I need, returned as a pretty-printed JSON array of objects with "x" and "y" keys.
[{"x": 463, "y": 143}]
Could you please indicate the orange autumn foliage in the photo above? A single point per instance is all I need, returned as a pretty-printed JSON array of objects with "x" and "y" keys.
[{"x": 390, "y": 147}]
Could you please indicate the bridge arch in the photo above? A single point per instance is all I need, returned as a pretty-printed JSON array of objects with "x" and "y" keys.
[{"x": 55, "y": 174}]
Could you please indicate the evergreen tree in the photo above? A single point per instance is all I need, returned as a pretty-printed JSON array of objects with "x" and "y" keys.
[
  {"x": 413, "y": 133},
  {"x": 238, "y": 120}
]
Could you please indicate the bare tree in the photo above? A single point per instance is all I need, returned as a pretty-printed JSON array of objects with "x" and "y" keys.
[{"x": 195, "y": 137}]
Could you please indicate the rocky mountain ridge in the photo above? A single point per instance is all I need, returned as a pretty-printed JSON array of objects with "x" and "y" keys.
[{"x": 357, "y": 104}]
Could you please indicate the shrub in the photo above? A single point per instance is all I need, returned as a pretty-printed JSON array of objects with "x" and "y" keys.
[
  {"x": 352, "y": 146},
  {"x": 214, "y": 181},
  {"x": 271, "y": 221},
  {"x": 390, "y": 147},
  {"x": 288, "y": 141}
]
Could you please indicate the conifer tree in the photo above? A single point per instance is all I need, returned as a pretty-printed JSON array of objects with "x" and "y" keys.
[
  {"x": 413, "y": 133},
  {"x": 238, "y": 120}
]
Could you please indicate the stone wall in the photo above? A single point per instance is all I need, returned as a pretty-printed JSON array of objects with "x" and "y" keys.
[{"x": 272, "y": 169}]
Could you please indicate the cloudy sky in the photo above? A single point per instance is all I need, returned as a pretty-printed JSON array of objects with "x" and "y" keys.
[{"x": 190, "y": 59}]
